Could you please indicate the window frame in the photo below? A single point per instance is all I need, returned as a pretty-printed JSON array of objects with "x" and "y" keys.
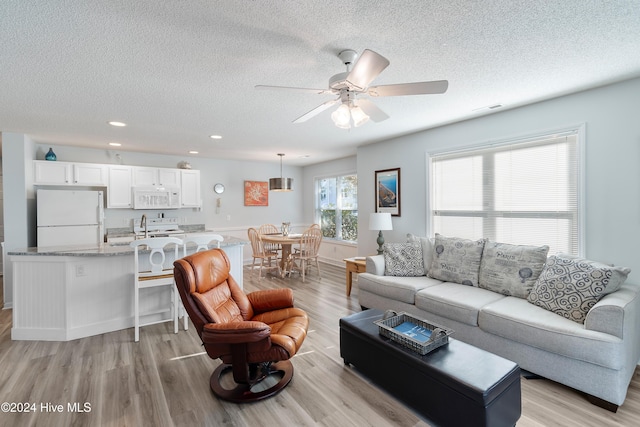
[
  {"x": 578, "y": 130},
  {"x": 317, "y": 213}
]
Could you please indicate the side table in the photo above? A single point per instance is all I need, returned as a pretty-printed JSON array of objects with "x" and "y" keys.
[{"x": 354, "y": 265}]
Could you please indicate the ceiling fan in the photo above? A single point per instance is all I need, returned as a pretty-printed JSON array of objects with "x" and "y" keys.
[{"x": 354, "y": 83}]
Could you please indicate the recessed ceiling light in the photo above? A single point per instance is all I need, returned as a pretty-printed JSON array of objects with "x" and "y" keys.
[
  {"x": 215, "y": 136},
  {"x": 115, "y": 144},
  {"x": 193, "y": 152},
  {"x": 117, "y": 124}
]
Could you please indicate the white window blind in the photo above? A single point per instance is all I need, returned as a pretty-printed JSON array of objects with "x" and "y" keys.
[{"x": 520, "y": 193}]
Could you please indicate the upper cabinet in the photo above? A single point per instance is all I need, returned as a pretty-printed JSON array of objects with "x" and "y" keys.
[
  {"x": 190, "y": 188},
  {"x": 119, "y": 180},
  {"x": 119, "y": 187},
  {"x": 65, "y": 173},
  {"x": 143, "y": 176}
]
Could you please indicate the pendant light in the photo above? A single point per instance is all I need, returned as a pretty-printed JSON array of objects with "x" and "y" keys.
[{"x": 281, "y": 184}]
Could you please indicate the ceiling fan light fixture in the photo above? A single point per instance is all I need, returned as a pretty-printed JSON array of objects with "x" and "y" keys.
[
  {"x": 359, "y": 117},
  {"x": 281, "y": 184},
  {"x": 342, "y": 117}
]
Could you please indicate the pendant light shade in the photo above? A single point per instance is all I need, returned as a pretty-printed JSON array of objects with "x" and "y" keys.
[{"x": 281, "y": 184}]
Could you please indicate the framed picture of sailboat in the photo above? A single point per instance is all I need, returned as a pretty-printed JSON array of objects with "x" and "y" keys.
[{"x": 388, "y": 191}]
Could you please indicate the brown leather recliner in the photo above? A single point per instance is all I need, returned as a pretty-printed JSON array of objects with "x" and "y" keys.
[{"x": 254, "y": 334}]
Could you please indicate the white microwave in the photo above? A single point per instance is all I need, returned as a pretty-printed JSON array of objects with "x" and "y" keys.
[{"x": 156, "y": 198}]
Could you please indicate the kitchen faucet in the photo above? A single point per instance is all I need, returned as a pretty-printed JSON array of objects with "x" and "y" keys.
[{"x": 143, "y": 223}]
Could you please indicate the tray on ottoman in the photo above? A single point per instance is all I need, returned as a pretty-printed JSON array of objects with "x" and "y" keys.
[{"x": 423, "y": 336}]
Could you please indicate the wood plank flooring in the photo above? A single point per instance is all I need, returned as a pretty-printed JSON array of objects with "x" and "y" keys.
[{"x": 163, "y": 380}]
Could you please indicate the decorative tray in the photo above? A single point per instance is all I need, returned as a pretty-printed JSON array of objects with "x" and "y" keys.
[{"x": 409, "y": 331}]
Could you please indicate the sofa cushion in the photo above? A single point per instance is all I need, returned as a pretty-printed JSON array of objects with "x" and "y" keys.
[
  {"x": 427, "y": 249},
  {"x": 511, "y": 269},
  {"x": 455, "y": 301},
  {"x": 456, "y": 260},
  {"x": 403, "y": 259},
  {"x": 517, "y": 320},
  {"x": 570, "y": 286},
  {"x": 396, "y": 288}
]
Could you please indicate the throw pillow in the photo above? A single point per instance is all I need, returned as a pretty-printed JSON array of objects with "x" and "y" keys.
[
  {"x": 511, "y": 269},
  {"x": 403, "y": 259},
  {"x": 427, "y": 249},
  {"x": 618, "y": 276},
  {"x": 570, "y": 286},
  {"x": 456, "y": 260}
]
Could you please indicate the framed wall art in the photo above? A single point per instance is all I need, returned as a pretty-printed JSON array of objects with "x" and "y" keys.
[
  {"x": 388, "y": 191},
  {"x": 256, "y": 193}
]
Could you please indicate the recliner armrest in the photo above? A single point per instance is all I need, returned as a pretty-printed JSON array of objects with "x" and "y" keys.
[
  {"x": 375, "y": 265},
  {"x": 235, "y": 332},
  {"x": 270, "y": 299}
]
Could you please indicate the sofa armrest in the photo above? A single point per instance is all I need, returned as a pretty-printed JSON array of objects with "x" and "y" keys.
[
  {"x": 375, "y": 265},
  {"x": 616, "y": 312}
]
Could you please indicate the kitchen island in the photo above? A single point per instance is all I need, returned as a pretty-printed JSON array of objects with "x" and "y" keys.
[{"x": 70, "y": 292}]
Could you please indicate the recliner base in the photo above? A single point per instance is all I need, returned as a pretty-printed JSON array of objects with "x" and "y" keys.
[{"x": 242, "y": 392}]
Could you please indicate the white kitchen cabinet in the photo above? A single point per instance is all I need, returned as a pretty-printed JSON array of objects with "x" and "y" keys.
[
  {"x": 89, "y": 174},
  {"x": 190, "y": 188},
  {"x": 156, "y": 176},
  {"x": 66, "y": 173},
  {"x": 119, "y": 187}
]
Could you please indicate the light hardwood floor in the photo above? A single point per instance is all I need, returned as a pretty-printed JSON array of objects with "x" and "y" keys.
[{"x": 163, "y": 380}]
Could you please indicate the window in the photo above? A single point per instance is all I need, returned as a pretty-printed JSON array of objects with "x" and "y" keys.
[
  {"x": 337, "y": 207},
  {"x": 523, "y": 192}
]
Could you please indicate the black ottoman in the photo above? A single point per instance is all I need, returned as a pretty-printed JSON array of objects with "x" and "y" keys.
[{"x": 454, "y": 385}]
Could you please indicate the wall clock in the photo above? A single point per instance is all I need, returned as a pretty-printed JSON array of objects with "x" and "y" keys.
[{"x": 218, "y": 188}]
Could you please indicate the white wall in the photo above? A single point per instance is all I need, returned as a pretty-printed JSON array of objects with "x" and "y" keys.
[
  {"x": 19, "y": 202},
  {"x": 612, "y": 175}
]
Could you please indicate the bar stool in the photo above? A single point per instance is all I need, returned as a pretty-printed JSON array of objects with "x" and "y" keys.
[{"x": 159, "y": 274}]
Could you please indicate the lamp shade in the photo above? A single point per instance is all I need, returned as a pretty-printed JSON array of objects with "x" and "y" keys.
[
  {"x": 281, "y": 184},
  {"x": 380, "y": 221}
]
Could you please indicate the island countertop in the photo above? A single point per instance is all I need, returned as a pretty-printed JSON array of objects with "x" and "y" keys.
[
  {"x": 69, "y": 292},
  {"x": 106, "y": 249}
]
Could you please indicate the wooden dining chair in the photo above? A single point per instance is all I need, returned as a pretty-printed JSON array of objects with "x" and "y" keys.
[
  {"x": 307, "y": 251},
  {"x": 152, "y": 272},
  {"x": 261, "y": 253},
  {"x": 270, "y": 229}
]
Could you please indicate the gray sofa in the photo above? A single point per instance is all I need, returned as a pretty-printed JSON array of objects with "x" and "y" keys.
[{"x": 597, "y": 355}]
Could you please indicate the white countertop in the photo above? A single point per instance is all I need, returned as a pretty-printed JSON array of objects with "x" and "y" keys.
[{"x": 106, "y": 249}]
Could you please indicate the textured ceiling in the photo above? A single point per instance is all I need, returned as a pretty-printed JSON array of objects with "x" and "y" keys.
[{"x": 179, "y": 71}]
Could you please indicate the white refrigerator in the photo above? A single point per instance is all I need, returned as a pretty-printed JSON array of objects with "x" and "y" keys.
[{"x": 70, "y": 217}]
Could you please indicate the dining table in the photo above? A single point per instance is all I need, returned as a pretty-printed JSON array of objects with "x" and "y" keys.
[{"x": 285, "y": 242}]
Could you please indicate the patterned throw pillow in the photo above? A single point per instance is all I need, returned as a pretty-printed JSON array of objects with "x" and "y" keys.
[
  {"x": 427, "y": 249},
  {"x": 403, "y": 259},
  {"x": 511, "y": 269},
  {"x": 456, "y": 260},
  {"x": 570, "y": 286}
]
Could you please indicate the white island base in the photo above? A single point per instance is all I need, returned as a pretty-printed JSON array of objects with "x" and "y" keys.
[{"x": 73, "y": 295}]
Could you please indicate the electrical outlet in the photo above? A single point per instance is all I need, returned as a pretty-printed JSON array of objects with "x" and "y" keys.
[
  {"x": 228, "y": 217},
  {"x": 80, "y": 271}
]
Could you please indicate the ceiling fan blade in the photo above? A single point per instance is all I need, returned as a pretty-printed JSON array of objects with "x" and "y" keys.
[
  {"x": 319, "y": 109},
  {"x": 367, "y": 67},
  {"x": 418, "y": 88},
  {"x": 298, "y": 89},
  {"x": 372, "y": 110}
]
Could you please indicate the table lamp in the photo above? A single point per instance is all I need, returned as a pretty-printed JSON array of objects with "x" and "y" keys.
[{"x": 380, "y": 221}]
